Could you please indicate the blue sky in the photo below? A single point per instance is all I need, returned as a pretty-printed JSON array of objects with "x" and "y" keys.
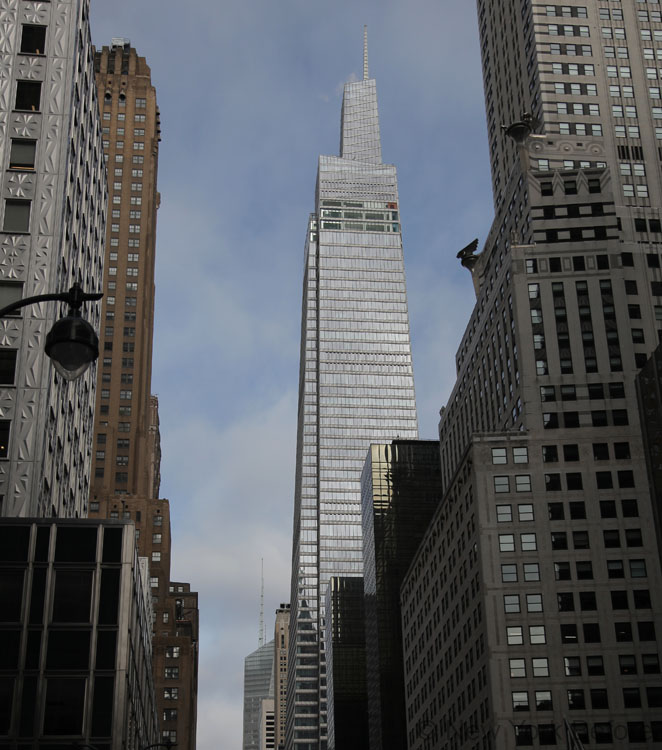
[{"x": 250, "y": 95}]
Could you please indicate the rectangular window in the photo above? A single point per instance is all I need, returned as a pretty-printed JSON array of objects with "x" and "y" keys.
[
  {"x": 28, "y": 95},
  {"x": 22, "y": 154},
  {"x": 17, "y": 216}
]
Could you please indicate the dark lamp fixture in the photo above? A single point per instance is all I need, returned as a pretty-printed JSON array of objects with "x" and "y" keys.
[{"x": 72, "y": 344}]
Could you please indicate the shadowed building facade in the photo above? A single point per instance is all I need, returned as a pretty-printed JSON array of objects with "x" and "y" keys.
[
  {"x": 76, "y": 656},
  {"x": 541, "y": 564},
  {"x": 346, "y": 664},
  {"x": 356, "y": 384},
  {"x": 401, "y": 489}
]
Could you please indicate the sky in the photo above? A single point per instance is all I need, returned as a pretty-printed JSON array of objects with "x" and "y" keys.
[{"x": 250, "y": 94}]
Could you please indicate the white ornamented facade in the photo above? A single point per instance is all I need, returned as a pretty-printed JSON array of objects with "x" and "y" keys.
[{"x": 52, "y": 229}]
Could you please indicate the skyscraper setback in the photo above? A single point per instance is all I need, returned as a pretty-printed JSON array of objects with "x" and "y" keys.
[
  {"x": 542, "y": 559},
  {"x": 356, "y": 383}
]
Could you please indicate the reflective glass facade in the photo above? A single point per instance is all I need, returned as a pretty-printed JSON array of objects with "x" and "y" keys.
[
  {"x": 401, "y": 489},
  {"x": 347, "y": 706},
  {"x": 258, "y": 685},
  {"x": 356, "y": 383}
]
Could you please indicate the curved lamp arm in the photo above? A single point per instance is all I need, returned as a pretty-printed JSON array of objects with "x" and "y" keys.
[{"x": 74, "y": 298}]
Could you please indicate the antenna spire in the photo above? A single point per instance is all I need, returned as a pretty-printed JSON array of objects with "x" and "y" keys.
[
  {"x": 261, "y": 633},
  {"x": 365, "y": 53}
]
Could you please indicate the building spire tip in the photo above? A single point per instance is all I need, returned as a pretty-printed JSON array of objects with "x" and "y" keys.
[{"x": 365, "y": 53}]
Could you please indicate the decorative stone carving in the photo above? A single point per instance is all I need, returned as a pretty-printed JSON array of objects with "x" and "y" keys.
[
  {"x": 37, "y": 13},
  {"x": 13, "y": 256},
  {"x": 25, "y": 125},
  {"x": 7, "y": 403},
  {"x": 46, "y": 208},
  {"x": 56, "y": 86},
  {"x": 20, "y": 185},
  {"x": 10, "y": 332},
  {"x": 52, "y": 126}
]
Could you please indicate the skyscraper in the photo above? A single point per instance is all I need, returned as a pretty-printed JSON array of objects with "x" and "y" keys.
[
  {"x": 125, "y": 416},
  {"x": 52, "y": 227},
  {"x": 258, "y": 686},
  {"x": 356, "y": 383},
  {"x": 544, "y": 545}
]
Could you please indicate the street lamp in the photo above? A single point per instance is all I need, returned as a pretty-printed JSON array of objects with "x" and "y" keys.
[{"x": 71, "y": 343}]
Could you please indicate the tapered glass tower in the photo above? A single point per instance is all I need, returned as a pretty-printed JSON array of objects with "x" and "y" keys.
[{"x": 356, "y": 383}]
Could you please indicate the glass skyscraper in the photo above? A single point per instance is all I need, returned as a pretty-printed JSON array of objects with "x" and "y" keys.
[{"x": 356, "y": 384}]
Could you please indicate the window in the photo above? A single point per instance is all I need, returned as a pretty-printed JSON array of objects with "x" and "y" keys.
[
  {"x": 543, "y": 700},
  {"x": 584, "y": 570},
  {"x": 517, "y": 667},
  {"x": 509, "y": 573},
  {"x": 565, "y": 601},
  {"x": 537, "y": 634},
  {"x": 623, "y": 631},
  {"x": 156, "y": 538},
  {"x": 28, "y": 95},
  {"x": 576, "y": 700},
  {"x": 501, "y": 484},
  {"x": 520, "y": 455},
  {"x": 17, "y": 216},
  {"x": 170, "y": 694},
  {"x": 528, "y": 542},
  {"x": 156, "y": 557},
  {"x": 642, "y": 599},
  {"x": 555, "y": 511},
  {"x": 22, "y": 154},
  {"x": 514, "y": 635},
  {"x": 525, "y": 512},
  {"x": 562, "y": 571},
  {"x": 172, "y": 652},
  {"x": 638, "y": 568},
  {"x": 520, "y": 701},
  {"x": 540, "y": 667},
  {"x": 572, "y": 666},
  {"x": 534, "y": 602},
  {"x": 531, "y": 572},
  {"x": 559, "y": 540},
  {"x": 511, "y": 603},
  {"x": 523, "y": 483},
  {"x": 504, "y": 513},
  {"x": 650, "y": 663},
  {"x": 172, "y": 673}
]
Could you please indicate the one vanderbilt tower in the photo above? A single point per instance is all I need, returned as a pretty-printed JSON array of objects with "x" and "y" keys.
[{"x": 356, "y": 382}]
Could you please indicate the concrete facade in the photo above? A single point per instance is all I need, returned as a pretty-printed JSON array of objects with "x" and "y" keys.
[
  {"x": 52, "y": 229},
  {"x": 532, "y": 599}
]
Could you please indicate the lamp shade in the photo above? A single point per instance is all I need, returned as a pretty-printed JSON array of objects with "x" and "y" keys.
[{"x": 73, "y": 345}]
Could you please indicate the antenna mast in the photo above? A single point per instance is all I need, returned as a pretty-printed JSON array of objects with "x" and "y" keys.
[
  {"x": 261, "y": 633},
  {"x": 365, "y": 53}
]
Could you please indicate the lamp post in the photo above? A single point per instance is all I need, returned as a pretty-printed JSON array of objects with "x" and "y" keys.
[{"x": 71, "y": 343}]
